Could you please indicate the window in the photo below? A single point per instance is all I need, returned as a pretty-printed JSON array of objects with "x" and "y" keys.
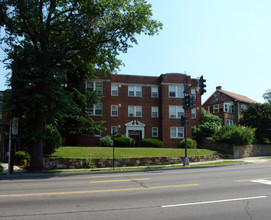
[
  {"x": 95, "y": 110},
  {"x": 154, "y": 112},
  {"x": 216, "y": 108},
  {"x": 223, "y": 97},
  {"x": 134, "y": 111},
  {"x": 114, "y": 110},
  {"x": 243, "y": 107},
  {"x": 229, "y": 107},
  {"x": 154, "y": 132},
  {"x": 176, "y": 132},
  {"x": 229, "y": 122},
  {"x": 193, "y": 113},
  {"x": 114, "y": 90},
  {"x": 193, "y": 93},
  {"x": 134, "y": 91},
  {"x": 95, "y": 86},
  {"x": 154, "y": 92},
  {"x": 175, "y": 91},
  {"x": 175, "y": 111},
  {"x": 114, "y": 129}
]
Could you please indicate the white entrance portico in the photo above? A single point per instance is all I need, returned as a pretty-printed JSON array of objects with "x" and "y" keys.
[{"x": 135, "y": 126}]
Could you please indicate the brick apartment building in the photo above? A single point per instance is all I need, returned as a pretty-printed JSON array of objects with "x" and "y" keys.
[
  {"x": 143, "y": 107},
  {"x": 227, "y": 105}
]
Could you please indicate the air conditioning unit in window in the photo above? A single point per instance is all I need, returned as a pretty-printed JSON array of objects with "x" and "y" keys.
[{"x": 131, "y": 115}]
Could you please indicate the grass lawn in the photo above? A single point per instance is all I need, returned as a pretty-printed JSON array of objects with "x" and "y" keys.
[{"x": 107, "y": 152}]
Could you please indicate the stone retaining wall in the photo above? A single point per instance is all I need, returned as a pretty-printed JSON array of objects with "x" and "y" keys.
[
  {"x": 238, "y": 151},
  {"x": 71, "y": 163}
]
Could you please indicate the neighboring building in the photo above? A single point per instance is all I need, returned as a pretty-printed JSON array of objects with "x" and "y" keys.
[
  {"x": 143, "y": 107},
  {"x": 227, "y": 105}
]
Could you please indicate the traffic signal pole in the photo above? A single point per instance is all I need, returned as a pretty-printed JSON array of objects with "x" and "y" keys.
[
  {"x": 188, "y": 103},
  {"x": 186, "y": 159}
]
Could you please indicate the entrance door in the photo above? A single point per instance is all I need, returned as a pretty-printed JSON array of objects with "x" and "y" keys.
[{"x": 137, "y": 136}]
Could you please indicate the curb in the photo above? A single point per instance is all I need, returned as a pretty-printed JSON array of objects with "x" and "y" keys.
[{"x": 24, "y": 175}]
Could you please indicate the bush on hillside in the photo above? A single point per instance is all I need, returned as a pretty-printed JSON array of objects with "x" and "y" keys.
[
  {"x": 22, "y": 158},
  {"x": 191, "y": 144},
  {"x": 124, "y": 142},
  {"x": 150, "y": 142},
  {"x": 106, "y": 141},
  {"x": 235, "y": 135},
  {"x": 210, "y": 124}
]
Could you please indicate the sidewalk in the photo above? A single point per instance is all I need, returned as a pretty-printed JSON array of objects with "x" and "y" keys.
[{"x": 244, "y": 160}]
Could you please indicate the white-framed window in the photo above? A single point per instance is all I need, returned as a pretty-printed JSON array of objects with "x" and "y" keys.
[
  {"x": 216, "y": 108},
  {"x": 114, "y": 90},
  {"x": 135, "y": 91},
  {"x": 175, "y": 91},
  {"x": 114, "y": 110},
  {"x": 228, "y": 107},
  {"x": 94, "y": 110},
  {"x": 243, "y": 107},
  {"x": 154, "y": 112},
  {"x": 154, "y": 92},
  {"x": 193, "y": 93},
  {"x": 193, "y": 113},
  {"x": 229, "y": 122},
  {"x": 176, "y": 132},
  {"x": 134, "y": 111},
  {"x": 176, "y": 111},
  {"x": 154, "y": 132},
  {"x": 115, "y": 129},
  {"x": 95, "y": 86}
]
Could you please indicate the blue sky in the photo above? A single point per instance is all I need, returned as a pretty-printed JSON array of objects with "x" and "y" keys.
[{"x": 226, "y": 41}]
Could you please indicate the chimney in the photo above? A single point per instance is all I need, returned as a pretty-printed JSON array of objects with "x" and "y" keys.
[{"x": 218, "y": 87}]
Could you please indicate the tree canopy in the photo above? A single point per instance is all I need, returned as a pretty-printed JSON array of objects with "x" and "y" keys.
[
  {"x": 258, "y": 116},
  {"x": 267, "y": 96},
  {"x": 54, "y": 45}
]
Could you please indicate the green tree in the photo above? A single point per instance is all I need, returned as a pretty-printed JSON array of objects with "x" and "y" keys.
[
  {"x": 209, "y": 125},
  {"x": 267, "y": 96},
  {"x": 54, "y": 45},
  {"x": 258, "y": 116}
]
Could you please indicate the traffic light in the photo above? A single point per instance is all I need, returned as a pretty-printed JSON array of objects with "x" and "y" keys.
[
  {"x": 202, "y": 85},
  {"x": 184, "y": 120},
  {"x": 186, "y": 102},
  {"x": 192, "y": 102}
]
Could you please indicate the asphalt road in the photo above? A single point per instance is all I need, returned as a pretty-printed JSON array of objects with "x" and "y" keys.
[{"x": 230, "y": 192}]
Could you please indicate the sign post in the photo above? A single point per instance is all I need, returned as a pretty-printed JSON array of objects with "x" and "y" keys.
[{"x": 13, "y": 130}]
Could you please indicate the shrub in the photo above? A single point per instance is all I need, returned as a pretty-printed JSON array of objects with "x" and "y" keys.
[
  {"x": 150, "y": 142},
  {"x": 210, "y": 124},
  {"x": 106, "y": 141},
  {"x": 124, "y": 142},
  {"x": 1, "y": 169},
  {"x": 52, "y": 141},
  {"x": 22, "y": 158},
  {"x": 88, "y": 163},
  {"x": 234, "y": 135},
  {"x": 192, "y": 144}
]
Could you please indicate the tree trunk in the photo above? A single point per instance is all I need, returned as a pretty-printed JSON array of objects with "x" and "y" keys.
[{"x": 36, "y": 163}]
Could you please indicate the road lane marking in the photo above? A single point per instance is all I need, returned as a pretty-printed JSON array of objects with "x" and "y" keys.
[
  {"x": 97, "y": 191},
  {"x": 248, "y": 180},
  {"x": 263, "y": 181},
  {"x": 215, "y": 201},
  {"x": 124, "y": 180}
]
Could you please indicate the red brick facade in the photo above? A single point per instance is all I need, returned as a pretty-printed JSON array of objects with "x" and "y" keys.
[
  {"x": 132, "y": 110},
  {"x": 227, "y": 105}
]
